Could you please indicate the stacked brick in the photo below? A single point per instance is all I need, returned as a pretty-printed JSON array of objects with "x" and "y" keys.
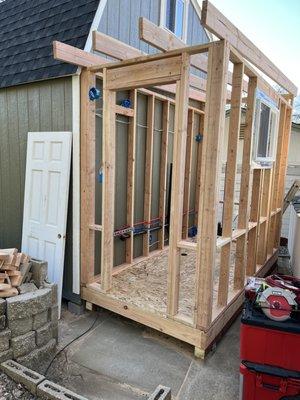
[{"x": 29, "y": 327}]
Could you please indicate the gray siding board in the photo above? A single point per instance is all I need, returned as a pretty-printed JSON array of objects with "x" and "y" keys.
[
  {"x": 120, "y": 20},
  {"x": 40, "y": 106}
]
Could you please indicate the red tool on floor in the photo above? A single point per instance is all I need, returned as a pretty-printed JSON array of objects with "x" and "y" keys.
[
  {"x": 270, "y": 339},
  {"x": 277, "y": 295}
]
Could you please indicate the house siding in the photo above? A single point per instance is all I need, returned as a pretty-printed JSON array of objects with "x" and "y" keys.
[
  {"x": 40, "y": 106},
  {"x": 120, "y": 20}
]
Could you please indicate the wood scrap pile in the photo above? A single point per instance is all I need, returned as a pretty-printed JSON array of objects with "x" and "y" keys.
[{"x": 14, "y": 270}]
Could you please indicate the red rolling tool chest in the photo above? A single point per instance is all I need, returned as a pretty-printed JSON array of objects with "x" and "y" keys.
[
  {"x": 268, "y": 342},
  {"x": 262, "y": 382}
]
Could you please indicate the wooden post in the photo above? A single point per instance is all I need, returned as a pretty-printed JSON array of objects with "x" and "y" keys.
[
  {"x": 163, "y": 172},
  {"x": 245, "y": 189},
  {"x": 148, "y": 172},
  {"x": 187, "y": 174},
  {"x": 214, "y": 124},
  {"x": 230, "y": 177},
  {"x": 108, "y": 203},
  {"x": 254, "y": 217},
  {"x": 180, "y": 134},
  {"x": 87, "y": 176},
  {"x": 131, "y": 175}
]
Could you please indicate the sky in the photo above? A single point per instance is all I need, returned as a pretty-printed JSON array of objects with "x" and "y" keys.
[{"x": 273, "y": 26}]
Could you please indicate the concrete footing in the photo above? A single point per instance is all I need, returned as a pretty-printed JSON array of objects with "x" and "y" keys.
[{"x": 44, "y": 389}]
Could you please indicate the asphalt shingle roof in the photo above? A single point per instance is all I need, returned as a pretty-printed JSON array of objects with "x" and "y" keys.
[{"x": 27, "y": 30}]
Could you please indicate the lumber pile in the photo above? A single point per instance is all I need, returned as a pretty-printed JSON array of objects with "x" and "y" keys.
[{"x": 14, "y": 270}]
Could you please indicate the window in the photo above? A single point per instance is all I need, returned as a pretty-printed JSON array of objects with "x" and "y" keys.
[
  {"x": 175, "y": 12},
  {"x": 265, "y": 130}
]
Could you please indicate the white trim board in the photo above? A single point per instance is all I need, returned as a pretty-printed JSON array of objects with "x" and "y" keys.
[
  {"x": 95, "y": 24},
  {"x": 76, "y": 182}
]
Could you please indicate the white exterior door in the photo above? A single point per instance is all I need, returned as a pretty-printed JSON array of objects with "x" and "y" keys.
[{"x": 46, "y": 200}]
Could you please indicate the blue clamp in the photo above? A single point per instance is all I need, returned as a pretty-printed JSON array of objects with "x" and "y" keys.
[
  {"x": 94, "y": 94},
  {"x": 193, "y": 231},
  {"x": 126, "y": 103},
  {"x": 100, "y": 175},
  {"x": 199, "y": 138}
]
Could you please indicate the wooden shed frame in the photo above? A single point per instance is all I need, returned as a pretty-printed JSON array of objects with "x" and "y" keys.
[{"x": 257, "y": 235}]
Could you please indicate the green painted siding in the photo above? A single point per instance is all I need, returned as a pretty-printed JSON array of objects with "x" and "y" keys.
[{"x": 40, "y": 106}]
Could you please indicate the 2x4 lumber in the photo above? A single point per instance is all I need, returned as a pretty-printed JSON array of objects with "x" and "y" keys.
[
  {"x": 143, "y": 75},
  {"x": 108, "y": 201},
  {"x": 187, "y": 174},
  {"x": 131, "y": 176},
  {"x": 163, "y": 172},
  {"x": 245, "y": 189},
  {"x": 190, "y": 50},
  {"x": 115, "y": 48},
  {"x": 127, "y": 112},
  {"x": 165, "y": 41},
  {"x": 148, "y": 171},
  {"x": 254, "y": 216},
  {"x": 287, "y": 134},
  {"x": 266, "y": 213},
  {"x": 214, "y": 125},
  {"x": 230, "y": 177},
  {"x": 87, "y": 177},
  {"x": 156, "y": 321},
  {"x": 218, "y": 24},
  {"x": 70, "y": 54},
  {"x": 198, "y": 168},
  {"x": 179, "y": 150}
]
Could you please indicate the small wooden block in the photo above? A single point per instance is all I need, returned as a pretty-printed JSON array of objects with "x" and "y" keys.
[
  {"x": 89, "y": 306},
  {"x": 4, "y": 255},
  {"x": 199, "y": 353},
  {"x": 16, "y": 280},
  {"x": 5, "y": 286},
  {"x": 9, "y": 293}
]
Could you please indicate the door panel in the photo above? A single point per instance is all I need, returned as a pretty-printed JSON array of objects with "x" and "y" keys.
[{"x": 46, "y": 199}]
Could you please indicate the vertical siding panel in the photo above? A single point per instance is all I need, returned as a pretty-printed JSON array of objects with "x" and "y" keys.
[
  {"x": 113, "y": 18},
  {"x": 23, "y": 133},
  {"x": 124, "y": 28},
  {"x": 33, "y": 108},
  {"x": 133, "y": 18},
  {"x": 58, "y": 109},
  {"x": 68, "y": 105},
  {"x": 45, "y": 107},
  {"x": 145, "y": 12},
  {"x": 103, "y": 22},
  {"x": 4, "y": 171},
  {"x": 14, "y": 209}
]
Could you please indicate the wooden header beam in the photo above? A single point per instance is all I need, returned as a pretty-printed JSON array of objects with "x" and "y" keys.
[
  {"x": 218, "y": 24},
  {"x": 197, "y": 49}
]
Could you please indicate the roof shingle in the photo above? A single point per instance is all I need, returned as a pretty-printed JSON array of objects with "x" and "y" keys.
[{"x": 27, "y": 30}]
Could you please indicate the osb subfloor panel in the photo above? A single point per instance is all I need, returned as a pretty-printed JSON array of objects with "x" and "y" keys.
[{"x": 145, "y": 283}]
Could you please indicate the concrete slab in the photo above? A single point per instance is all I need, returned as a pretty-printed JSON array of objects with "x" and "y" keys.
[
  {"x": 216, "y": 378},
  {"x": 119, "y": 350}
]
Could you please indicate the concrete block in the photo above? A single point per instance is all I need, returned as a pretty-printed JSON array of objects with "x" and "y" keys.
[
  {"x": 27, "y": 287},
  {"x": 2, "y": 322},
  {"x": 2, "y": 306},
  {"x": 28, "y": 304},
  {"x": 40, "y": 320},
  {"x": 161, "y": 393},
  {"x": 20, "y": 326},
  {"x": 39, "y": 359},
  {"x": 53, "y": 287},
  {"x": 4, "y": 340},
  {"x": 76, "y": 308},
  {"x": 24, "y": 344},
  {"x": 39, "y": 271},
  {"x": 43, "y": 334},
  {"x": 6, "y": 355},
  {"x": 20, "y": 374},
  {"x": 51, "y": 391}
]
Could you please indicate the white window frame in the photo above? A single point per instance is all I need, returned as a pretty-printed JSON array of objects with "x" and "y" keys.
[
  {"x": 257, "y": 161},
  {"x": 162, "y": 22}
]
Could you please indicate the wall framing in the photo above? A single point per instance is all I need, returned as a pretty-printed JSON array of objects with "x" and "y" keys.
[{"x": 260, "y": 194}]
